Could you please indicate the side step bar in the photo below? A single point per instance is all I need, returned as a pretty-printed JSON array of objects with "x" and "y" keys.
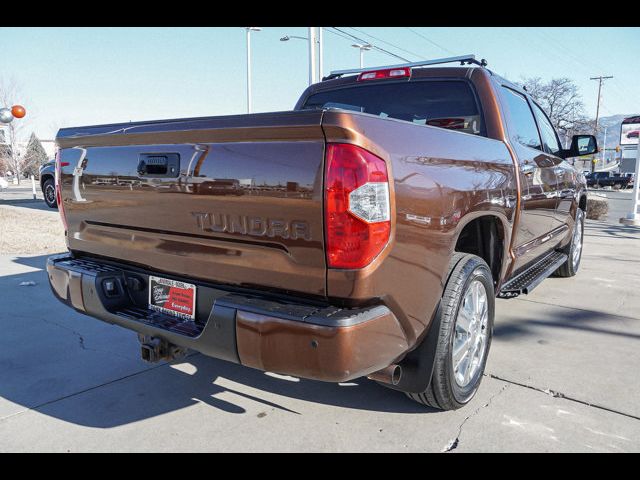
[{"x": 526, "y": 281}]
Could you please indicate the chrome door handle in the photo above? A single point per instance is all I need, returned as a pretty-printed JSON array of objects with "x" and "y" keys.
[{"x": 527, "y": 169}]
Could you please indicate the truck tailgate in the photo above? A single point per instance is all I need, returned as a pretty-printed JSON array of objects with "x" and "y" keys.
[{"x": 234, "y": 200}]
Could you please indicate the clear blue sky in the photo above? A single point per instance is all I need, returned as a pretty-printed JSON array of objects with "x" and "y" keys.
[{"x": 76, "y": 76}]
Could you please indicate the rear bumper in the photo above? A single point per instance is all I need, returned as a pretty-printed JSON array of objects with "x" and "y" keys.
[{"x": 307, "y": 340}]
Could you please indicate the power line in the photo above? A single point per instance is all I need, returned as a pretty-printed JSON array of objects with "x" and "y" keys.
[
  {"x": 564, "y": 54},
  {"x": 388, "y": 43},
  {"x": 429, "y": 40},
  {"x": 620, "y": 92},
  {"x": 373, "y": 46}
]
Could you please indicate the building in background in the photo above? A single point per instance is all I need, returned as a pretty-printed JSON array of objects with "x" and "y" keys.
[{"x": 629, "y": 133}]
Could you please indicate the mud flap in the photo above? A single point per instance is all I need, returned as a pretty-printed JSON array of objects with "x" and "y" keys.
[{"x": 417, "y": 366}]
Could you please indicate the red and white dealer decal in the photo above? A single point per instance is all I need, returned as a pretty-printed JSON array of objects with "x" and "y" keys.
[{"x": 172, "y": 297}]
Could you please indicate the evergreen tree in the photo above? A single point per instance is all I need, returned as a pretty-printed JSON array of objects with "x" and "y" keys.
[{"x": 35, "y": 156}]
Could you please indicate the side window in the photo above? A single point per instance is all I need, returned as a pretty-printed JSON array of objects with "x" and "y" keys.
[
  {"x": 523, "y": 128},
  {"x": 549, "y": 137}
]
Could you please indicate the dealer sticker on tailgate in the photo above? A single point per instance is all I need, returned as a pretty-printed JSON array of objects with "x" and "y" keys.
[{"x": 172, "y": 297}]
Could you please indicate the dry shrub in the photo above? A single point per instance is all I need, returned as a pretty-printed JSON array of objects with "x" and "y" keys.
[{"x": 597, "y": 207}]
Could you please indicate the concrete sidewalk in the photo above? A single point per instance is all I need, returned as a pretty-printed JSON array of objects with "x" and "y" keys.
[{"x": 562, "y": 376}]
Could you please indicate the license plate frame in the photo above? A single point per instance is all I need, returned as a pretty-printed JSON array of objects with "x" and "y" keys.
[{"x": 173, "y": 297}]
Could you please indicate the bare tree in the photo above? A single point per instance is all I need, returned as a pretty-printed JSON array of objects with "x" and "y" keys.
[
  {"x": 10, "y": 154},
  {"x": 562, "y": 102}
]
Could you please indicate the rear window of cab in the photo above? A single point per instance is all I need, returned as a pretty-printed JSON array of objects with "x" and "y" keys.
[{"x": 449, "y": 104}]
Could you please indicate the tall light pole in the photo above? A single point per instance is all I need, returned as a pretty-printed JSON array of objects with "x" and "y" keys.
[
  {"x": 604, "y": 146},
  {"x": 312, "y": 55},
  {"x": 363, "y": 47},
  {"x": 320, "y": 56},
  {"x": 249, "y": 30},
  {"x": 600, "y": 80},
  {"x": 312, "y": 39}
]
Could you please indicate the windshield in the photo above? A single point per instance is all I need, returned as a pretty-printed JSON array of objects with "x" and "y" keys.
[{"x": 440, "y": 103}]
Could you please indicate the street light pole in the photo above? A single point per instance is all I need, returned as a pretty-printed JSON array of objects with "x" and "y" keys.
[
  {"x": 362, "y": 48},
  {"x": 249, "y": 30},
  {"x": 604, "y": 145},
  {"x": 320, "y": 62},
  {"x": 312, "y": 55}
]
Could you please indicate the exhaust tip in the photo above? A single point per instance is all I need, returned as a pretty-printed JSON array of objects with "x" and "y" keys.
[
  {"x": 396, "y": 375},
  {"x": 390, "y": 375}
]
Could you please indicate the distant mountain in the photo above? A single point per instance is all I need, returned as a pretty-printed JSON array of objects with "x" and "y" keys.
[{"x": 613, "y": 124}]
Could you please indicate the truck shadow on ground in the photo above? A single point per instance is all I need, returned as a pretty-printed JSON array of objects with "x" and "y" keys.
[
  {"x": 28, "y": 203},
  {"x": 594, "y": 228},
  {"x": 507, "y": 327},
  {"x": 221, "y": 386},
  {"x": 96, "y": 382}
]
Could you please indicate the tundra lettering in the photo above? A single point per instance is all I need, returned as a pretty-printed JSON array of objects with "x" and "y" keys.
[{"x": 256, "y": 226}]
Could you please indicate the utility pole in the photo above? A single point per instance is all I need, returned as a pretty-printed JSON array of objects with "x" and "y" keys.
[{"x": 600, "y": 80}]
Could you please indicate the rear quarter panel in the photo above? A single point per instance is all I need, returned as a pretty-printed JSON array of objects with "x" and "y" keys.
[{"x": 441, "y": 181}]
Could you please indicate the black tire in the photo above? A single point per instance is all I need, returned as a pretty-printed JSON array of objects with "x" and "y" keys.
[
  {"x": 571, "y": 267},
  {"x": 443, "y": 392},
  {"x": 49, "y": 192}
]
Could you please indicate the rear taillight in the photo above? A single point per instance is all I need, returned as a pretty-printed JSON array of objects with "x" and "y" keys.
[
  {"x": 58, "y": 181},
  {"x": 357, "y": 207},
  {"x": 386, "y": 73}
]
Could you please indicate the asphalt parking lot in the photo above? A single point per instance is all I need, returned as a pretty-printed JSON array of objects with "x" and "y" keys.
[{"x": 562, "y": 376}]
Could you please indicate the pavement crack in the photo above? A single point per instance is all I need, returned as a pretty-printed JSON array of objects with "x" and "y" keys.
[
  {"x": 453, "y": 444},
  {"x": 556, "y": 394},
  {"x": 81, "y": 339},
  {"x": 69, "y": 329}
]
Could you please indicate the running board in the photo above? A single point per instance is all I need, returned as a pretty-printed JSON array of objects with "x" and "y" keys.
[{"x": 526, "y": 281}]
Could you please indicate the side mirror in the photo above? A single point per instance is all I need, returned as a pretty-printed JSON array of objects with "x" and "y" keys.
[{"x": 581, "y": 145}]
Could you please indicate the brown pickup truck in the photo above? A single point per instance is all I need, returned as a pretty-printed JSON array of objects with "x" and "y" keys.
[{"x": 365, "y": 233}]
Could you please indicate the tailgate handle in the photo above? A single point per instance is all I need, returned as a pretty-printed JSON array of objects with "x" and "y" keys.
[{"x": 159, "y": 164}]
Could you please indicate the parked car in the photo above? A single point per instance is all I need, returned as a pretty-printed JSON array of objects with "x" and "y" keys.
[
  {"x": 609, "y": 179},
  {"x": 3, "y": 183},
  {"x": 388, "y": 264},
  {"x": 633, "y": 134},
  {"x": 47, "y": 183}
]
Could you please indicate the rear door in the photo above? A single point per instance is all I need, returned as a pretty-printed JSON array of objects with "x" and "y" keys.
[
  {"x": 537, "y": 180},
  {"x": 565, "y": 173}
]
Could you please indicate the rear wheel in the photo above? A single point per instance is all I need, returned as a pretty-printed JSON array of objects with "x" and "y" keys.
[
  {"x": 49, "y": 191},
  {"x": 466, "y": 327},
  {"x": 574, "y": 249}
]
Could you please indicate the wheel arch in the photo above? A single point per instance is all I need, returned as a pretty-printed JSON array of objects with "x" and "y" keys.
[
  {"x": 487, "y": 235},
  {"x": 44, "y": 177}
]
